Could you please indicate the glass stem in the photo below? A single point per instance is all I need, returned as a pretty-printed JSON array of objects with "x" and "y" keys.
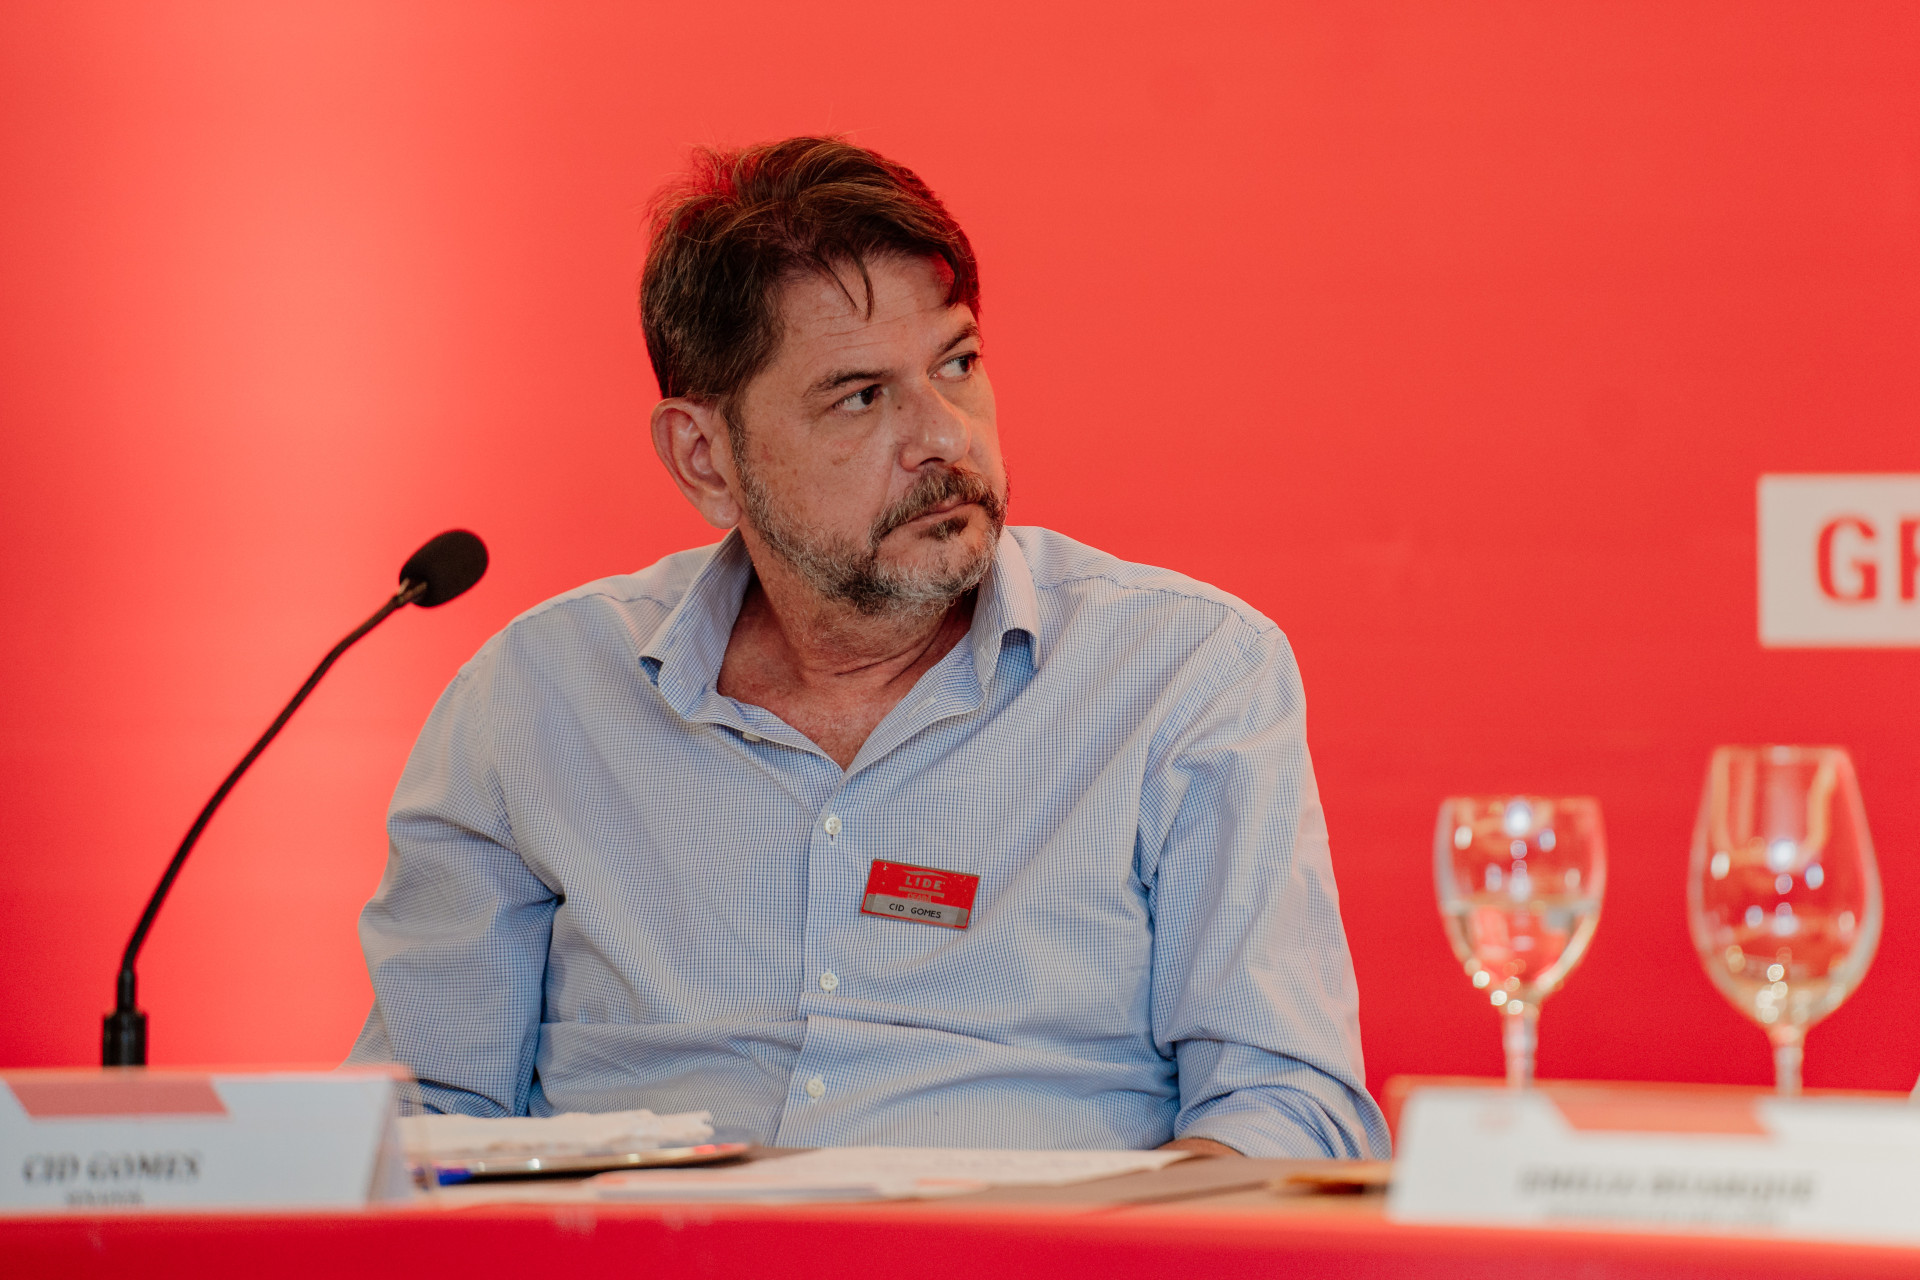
[
  {"x": 1521, "y": 1033},
  {"x": 1788, "y": 1051}
]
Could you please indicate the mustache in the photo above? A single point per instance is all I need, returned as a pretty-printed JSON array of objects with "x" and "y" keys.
[{"x": 934, "y": 488}]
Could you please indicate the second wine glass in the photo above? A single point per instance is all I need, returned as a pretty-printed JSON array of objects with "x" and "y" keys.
[
  {"x": 1520, "y": 880},
  {"x": 1783, "y": 896}
]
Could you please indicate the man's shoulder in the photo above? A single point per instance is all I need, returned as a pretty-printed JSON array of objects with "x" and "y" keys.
[
  {"x": 1079, "y": 586},
  {"x": 623, "y": 609}
]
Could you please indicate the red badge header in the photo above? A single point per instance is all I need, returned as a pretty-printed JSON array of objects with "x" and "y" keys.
[{"x": 925, "y": 895}]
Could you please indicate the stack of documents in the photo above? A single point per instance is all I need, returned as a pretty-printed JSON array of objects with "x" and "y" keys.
[
  {"x": 430, "y": 1139},
  {"x": 876, "y": 1173}
]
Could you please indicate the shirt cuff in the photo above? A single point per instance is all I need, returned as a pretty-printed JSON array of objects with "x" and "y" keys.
[{"x": 1286, "y": 1123}]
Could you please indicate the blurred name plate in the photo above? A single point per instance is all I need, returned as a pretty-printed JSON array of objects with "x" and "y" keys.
[
  {"x": 127, "y": 1138},
  {"x": 1580, "y": 1157}
]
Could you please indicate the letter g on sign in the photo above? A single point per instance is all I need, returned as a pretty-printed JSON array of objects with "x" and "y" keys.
[{"x": 1866, "y": 573}]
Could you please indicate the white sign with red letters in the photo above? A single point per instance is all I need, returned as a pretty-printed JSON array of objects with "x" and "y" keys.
[{"x": 1840, "y": 561}]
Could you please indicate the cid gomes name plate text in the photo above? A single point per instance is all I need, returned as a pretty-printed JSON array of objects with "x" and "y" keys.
[{"x": 126, "y": 1138}]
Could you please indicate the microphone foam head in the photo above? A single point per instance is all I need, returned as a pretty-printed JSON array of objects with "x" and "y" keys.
[{"x": 448, "y": 564}]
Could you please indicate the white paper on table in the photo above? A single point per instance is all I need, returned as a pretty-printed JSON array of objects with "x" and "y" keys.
[
  {"x": 575, "y": 1133},
  {"x": 879, "y": 1173}
]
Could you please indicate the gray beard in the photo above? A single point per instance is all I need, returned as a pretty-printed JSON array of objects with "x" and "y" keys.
[{"x": 842, "y": 571}]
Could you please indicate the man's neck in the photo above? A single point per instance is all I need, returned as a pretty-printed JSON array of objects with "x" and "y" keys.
[
  {"x": 825, "y": 667},
  {"x": 824, "y": 643}
]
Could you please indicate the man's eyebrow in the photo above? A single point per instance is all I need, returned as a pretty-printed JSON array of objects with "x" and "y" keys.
[
  {"x": 968, "y": 334},
  {"x": 841, "y": 377}
]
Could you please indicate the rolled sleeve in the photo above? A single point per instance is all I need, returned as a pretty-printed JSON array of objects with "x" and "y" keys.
[{"x": 1253, "y": 988}]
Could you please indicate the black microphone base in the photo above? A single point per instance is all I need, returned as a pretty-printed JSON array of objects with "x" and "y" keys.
[{"x": 123, "y": 1039}]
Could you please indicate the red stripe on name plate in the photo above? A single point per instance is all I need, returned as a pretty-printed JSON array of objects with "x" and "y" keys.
[
  {"x": 116, "y": 1091},
  {"x": 1645, "y": 1111}
]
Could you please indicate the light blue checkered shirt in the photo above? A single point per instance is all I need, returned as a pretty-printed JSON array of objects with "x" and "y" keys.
[{"x": 612, "y": 887}]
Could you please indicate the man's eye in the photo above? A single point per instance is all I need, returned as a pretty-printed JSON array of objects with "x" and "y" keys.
[
  {"x": 861, "y": 399},
  {"x": 962, "y": 365}
]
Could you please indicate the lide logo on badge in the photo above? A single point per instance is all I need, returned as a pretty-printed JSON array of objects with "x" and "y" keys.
[
  {"x": 924, "y": 895},
  {"x": 1839, "y": 561}
]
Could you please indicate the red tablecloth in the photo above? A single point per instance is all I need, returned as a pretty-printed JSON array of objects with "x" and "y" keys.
[{"x": 1347, "y": 1239}]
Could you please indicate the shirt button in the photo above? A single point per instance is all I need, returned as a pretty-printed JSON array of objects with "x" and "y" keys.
[
  {"x": 816, "y": 1087},
  {"x": 832, "y": 824},
  {"x": 829, "y": 980},
  {"x": 750, "y": 737}
]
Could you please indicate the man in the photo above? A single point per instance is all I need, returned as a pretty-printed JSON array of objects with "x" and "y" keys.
[{"x": 878, "y": 822}]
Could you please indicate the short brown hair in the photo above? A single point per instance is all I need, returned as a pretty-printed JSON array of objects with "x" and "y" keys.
[{"x": 741, "y": 223}]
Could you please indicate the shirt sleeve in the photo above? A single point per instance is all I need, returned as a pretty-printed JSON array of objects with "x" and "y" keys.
[
  {"x": 1253, "y": 988},
  {"x": 456, "y": 937}
]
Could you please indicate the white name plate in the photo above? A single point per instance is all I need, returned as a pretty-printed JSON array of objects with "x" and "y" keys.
[
  {"x": 1581, "y": 1156},
  {"x": 130, "y": 1138}
]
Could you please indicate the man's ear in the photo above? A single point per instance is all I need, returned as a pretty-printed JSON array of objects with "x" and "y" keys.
[{"x": 692, "y": 441}]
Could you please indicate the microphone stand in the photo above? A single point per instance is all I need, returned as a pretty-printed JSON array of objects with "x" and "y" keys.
[{"x": 123, "y": 1034}]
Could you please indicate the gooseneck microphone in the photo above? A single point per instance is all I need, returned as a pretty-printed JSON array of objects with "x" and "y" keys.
[{"x": 436, "y": 573}]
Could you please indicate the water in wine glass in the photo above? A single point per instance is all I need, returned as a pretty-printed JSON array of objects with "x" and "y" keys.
[
  {"x": 1520, "y": 949},
  {"x": 1783, "y": 895},
  {"x": 1520, "y": 881},
  {"x": 1797, "y": 978}
]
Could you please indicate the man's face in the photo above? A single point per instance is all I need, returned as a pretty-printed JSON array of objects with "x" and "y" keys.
[{"x": 865, "y": 454}]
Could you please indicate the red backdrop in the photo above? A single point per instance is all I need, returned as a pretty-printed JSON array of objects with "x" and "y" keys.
[{"x": 1452, "y": 337}]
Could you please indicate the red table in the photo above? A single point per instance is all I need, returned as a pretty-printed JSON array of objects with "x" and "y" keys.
[
  {"x": 1042, "y": 1234},
  {"x": 1344, "y": 1237}
]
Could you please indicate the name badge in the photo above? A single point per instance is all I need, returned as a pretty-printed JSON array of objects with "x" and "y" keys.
[{"x": 925, "y": 895}]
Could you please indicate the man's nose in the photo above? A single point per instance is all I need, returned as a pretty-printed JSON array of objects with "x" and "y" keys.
[{"x": 934, "y": 429}]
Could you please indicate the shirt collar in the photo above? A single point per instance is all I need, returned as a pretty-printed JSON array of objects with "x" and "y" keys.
[
  {"x": 685, "y": 653},
  {"x": 1006, "y": 603}
]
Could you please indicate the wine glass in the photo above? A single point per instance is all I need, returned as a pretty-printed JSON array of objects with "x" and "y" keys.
[
  {"x": 1520, "y": 879},
  {"x": 1783, "y": 897}
]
